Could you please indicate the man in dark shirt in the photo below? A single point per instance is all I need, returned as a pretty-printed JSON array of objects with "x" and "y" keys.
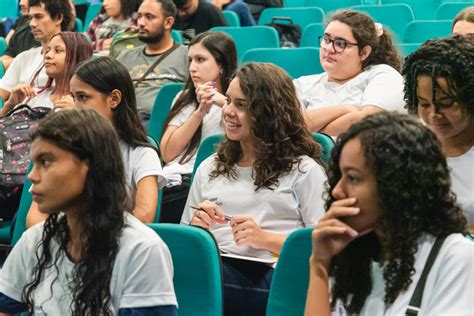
[{"x": 196, "y": 17}]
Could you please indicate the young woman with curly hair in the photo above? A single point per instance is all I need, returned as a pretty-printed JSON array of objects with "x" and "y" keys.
[
  {"x": 266, "y": 175},
  {"x": 90, "y": 257},
  {"x": 390, "y": 199},
  {"x": 361, "y": 77},
  {"x": 463, "y": 23},
  {"x": 439, "y": 88}
]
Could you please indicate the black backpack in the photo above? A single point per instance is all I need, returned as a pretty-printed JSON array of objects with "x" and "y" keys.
[{"x": 289, "y": 33}]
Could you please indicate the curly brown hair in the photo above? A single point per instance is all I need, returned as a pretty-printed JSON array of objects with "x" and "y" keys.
[
  {"x": 363, "y": 30},
  {"x": 414, "y": 194},
  {"x": 278, "y": 131}
]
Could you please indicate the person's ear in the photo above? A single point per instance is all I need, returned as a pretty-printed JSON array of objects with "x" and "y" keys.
[
  {"x": 169, "y": 21},
  {"x": 115, "y": 98},
  {"x": 365, "y": 52},
  {"x": 58, "y": 21}
]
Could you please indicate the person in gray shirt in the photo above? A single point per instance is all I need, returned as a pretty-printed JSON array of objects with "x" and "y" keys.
[{"x": 155, "y": 19}]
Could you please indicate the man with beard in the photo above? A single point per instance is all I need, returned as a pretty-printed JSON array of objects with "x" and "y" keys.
[{"x": 155, "y": 19}]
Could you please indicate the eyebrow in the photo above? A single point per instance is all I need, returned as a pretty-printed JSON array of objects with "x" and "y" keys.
[
  {"x": 350, "y": 168},
  {"x": 336, "y": 37}
]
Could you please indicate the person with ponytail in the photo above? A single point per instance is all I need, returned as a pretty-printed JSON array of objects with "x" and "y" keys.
[{"x": 361, "y": 75}]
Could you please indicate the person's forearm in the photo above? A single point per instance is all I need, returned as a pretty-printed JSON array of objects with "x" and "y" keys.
[
  {"x": 273, "y": 242},
  {"x": 342, "y": 124},
  {"x": 317, "y": 298},
  {"x": 6, "y": 60},
  {"x": 317, "y": 119},
  {"x": 177, "y": 141},
  {"x": 146, "y": 199}
]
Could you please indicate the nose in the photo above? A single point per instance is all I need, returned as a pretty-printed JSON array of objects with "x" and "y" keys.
[
  {"x": 192, "y": 66},
  {"x": 33, "y": 175},
  {"x": 32, "y": 23},
  {"x": 338, "y": 191},
  {"x": 140, "y": 21}
]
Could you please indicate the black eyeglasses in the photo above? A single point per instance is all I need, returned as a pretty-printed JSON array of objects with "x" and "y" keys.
[{"x": 338, "y": 44}]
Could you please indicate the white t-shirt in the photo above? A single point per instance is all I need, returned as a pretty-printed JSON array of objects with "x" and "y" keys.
[
  {"x": 297, "y": 201},
  {"x": 141, "y": 162},
  {"x": 449, "y": 288},
  {"x": 211, "y": 125},
  {"x": 379, "y": 85},
  {"x": 462, "y": 177},
  {"x": 142, "y": 274},
  {"x": 23, "y": 68}
]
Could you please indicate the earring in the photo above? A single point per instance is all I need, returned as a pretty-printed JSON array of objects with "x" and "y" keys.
[{"x": 221, "y": 71}]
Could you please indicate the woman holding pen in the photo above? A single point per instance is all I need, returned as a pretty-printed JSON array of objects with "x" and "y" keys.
[
  {"x": 266, "y": 175},
  {"x": 390, "y": 206}
]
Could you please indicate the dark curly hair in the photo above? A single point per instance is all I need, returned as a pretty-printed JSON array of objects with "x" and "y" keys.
[
  {"x": 92, "y": 138},
  {"x": 414, "y": 194},
  {"x": 363, "y": 30},
  {"x": 451, "y": 58},
  {"x": 278, "y": 131},
  {"x": 56, "y": 9},
  {"x": 222, "y": 48}
]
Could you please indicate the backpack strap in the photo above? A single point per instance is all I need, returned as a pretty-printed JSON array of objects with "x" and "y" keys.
[
  {"x": 153, "y": 66},
  {"x": 415, "y": 302}
]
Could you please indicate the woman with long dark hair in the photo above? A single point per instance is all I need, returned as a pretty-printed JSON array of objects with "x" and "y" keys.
[
  {"x": 104, "y": 85},
  {"x": 90, "y": 256},
  {"x": 389, "y": 205},
  {"x": 196, "y": 112},
  {"x": 265, "y": 181}
]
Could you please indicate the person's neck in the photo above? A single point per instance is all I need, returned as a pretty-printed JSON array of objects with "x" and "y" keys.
[
  {"x": 159, "y": 47},
  {"x": 342, "y": 81},
  {"x": 248, "y": 155},
  {"x": 45, "y": 42},
  {"x": 459, "y": 144},
  {"x": 76, "y": 244}
]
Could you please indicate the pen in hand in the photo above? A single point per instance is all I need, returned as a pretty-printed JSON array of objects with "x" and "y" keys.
[{"x": 226, "y": 217}]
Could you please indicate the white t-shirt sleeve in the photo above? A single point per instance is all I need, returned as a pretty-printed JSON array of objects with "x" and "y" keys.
[
  {"x": 149, "y": 280},
  {"x": 453, "y": 291},
  {"x": 12, "y": 76},
  {"x": 147, "y": 163},
  {"x": 309, "y": 190},
  {"x": 18, "y": 267},
  {"x": 385, "y": 89}
]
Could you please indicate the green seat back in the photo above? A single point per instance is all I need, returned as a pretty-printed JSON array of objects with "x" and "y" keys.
[
  {"x": 207, "y": 147},
  {"x": 250, "y": 37},
  {"x": 23, "y": 208},
  {"x": 309, "y": 37},
  {"x": 395, "y": 17},
  {"x": 92, "y": 11},
  {"x": 300, "y": 16},
  {"x": 421, "y": 31},
  {"x": 448, "y": 10},
  {"x": 3, "y": 47},
  {"x": 231, "y": 18},
  {"x": 197, "y": 268},
  {"x": 8, "y": 9},
  {"x": 291, "y": 276},
  {"x": 423, "y": 9},
  {"x": 407, "y": 49},
  {"x": 296, "y": 62},
  {"x": 331, "y": 5},
  {"x": 327, "y": 143},
  {"x": 78, "y": 26},
  {"x": 161, "y": 108}
]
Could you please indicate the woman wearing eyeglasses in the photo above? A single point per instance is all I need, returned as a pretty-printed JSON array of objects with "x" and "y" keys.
[{"x": 361, "y": 74}]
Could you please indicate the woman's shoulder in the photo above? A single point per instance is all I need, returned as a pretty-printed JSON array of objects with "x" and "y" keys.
[
  {"x": 381, "y": 69},
  {"x": 458, "y": 246},
  {"x": 136, "y": 235},
  {"x": 310, "y": 80}
]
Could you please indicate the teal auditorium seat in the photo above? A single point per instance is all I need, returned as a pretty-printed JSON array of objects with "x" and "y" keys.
[
  {"x": 407, "y": 49},
  {"x": 296, "y": 62},
  {"x": 310, "y": 34},
  {"x": 423, "y": 9},
  {"x": 331, "y": 5},
  {"x": 327, "y": 143},
  {"x": 8, "y": 9},
  {"x": 395, "y": 17},
  {"x": 231, "y": 18},
  {"x": 207, "y": 147},
  {"x": 448, "y": 10},
  {"x": 300, "y": 16},
  {"x": 293, "y": 3},
  {"x": 161, "y": 108},
  {"x": 197, "y": 268},
  {"x": 420, "y": 31},
  {"x": 92, "y": 11},
  {"x": 78, "y": 26},
  {"x": 3, "y": 46},
  {"x": 250, "y": 37},
  {"x": 291, "y": 276}
]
